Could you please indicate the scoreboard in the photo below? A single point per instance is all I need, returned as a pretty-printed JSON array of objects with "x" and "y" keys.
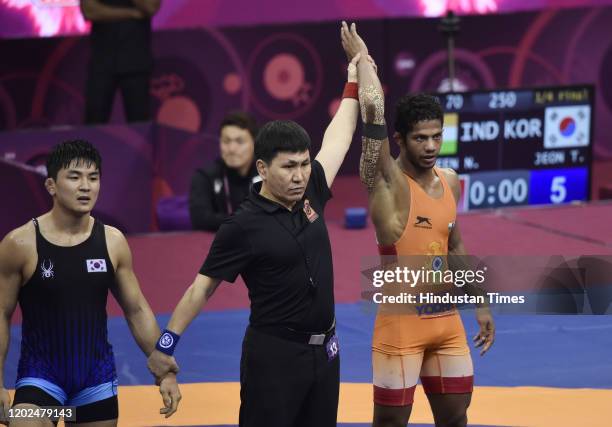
[{"x": 519, "y": 147}]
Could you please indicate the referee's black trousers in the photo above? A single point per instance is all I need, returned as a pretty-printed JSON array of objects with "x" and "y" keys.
[{"x": 287, "y": 384}]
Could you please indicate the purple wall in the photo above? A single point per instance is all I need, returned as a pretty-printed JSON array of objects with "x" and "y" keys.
[
  {"x": 29, "y": 18},
  {"x": 285, "y": 71},
  {"x": 24, "y": 198},
  {"x": 218, "y": 13},
  {"x": 297, "y": 71},
  {"x": 125, "y": 199},
  {"x": 141, "y": 163}
]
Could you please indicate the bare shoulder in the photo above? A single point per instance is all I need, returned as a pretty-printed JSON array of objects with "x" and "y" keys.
[
  {"x": 450, "y": 175},
  {"x": 21, "y": 238},
  {"x": 113, "y": 234},
  {"x": 19, "y": 244},
  {"x": 115, "y": 241},
  {"x": 453, "y": 180},
  {"x": 118, "y": 248}
]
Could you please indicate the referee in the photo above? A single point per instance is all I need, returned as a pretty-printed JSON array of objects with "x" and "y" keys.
[{"x": 278, "y": 242}]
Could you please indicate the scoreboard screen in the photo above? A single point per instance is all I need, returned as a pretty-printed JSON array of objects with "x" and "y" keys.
[{"x": 519, "y": 147}]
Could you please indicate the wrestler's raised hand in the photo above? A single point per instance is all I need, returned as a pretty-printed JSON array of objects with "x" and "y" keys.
[{"x": 352, "y": 43}]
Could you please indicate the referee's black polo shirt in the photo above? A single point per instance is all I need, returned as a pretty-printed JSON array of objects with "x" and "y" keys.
[{"x": 277, "y": 252}]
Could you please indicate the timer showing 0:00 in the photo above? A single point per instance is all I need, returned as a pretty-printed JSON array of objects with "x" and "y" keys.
[
  {"x": 496, "y": 189},
  {"x": 521, "y": 187}
]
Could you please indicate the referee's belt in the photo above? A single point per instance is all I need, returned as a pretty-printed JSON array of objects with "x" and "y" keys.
[{"x": 299, "y": 336}]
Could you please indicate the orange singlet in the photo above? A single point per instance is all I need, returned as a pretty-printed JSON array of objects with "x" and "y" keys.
[{"x": 421, "y": 339}]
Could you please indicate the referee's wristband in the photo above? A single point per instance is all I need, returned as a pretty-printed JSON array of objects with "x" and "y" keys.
[
  {"x": 167, "y": 342},
  {"x": 351, "y": 90}
]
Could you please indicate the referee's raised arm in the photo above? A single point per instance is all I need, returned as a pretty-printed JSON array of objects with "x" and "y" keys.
[{"x": 339, "y": 134}]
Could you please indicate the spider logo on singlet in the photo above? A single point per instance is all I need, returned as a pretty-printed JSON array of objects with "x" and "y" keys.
[{"x": 47, "y": 272}]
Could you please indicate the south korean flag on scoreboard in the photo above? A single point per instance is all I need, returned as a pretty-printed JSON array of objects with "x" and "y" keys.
[{"x": 567, "y": 126}]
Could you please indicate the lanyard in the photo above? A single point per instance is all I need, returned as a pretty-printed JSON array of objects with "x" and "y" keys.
[{"x": 226, "y": 188}]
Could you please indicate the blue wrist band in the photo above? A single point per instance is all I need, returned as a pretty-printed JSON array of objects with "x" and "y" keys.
[{"x": 167, "y": 342}]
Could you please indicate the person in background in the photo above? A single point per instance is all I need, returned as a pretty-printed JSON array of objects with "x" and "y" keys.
[
  {"x": 121, "y": 57},
  {"x": 217, "y": 190}
]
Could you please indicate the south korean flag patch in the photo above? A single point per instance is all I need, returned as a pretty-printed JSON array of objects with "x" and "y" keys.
[{"x": 96, "y": 266}]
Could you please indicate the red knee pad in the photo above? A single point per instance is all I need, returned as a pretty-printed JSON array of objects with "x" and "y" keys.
[
  {"x": 450, "y": 385},
  {"x": 394, "y": 396}
]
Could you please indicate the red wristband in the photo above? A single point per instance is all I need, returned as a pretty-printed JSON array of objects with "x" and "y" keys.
[{"x": 350, "y": 90}]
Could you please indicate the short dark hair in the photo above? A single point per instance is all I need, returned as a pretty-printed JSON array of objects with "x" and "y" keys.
[
  {"x": 412, "y": 109},
  {"x": 242, "y": 120},
  {"x": 63, "y": 154},
  {"x": 280, "y": 136}
]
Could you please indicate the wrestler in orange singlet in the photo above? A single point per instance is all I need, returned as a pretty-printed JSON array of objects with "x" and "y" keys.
[{"x": 412, "y": 205}]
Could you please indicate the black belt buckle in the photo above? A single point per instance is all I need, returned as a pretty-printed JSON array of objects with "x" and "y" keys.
[{"x": 302, "y": 337}]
